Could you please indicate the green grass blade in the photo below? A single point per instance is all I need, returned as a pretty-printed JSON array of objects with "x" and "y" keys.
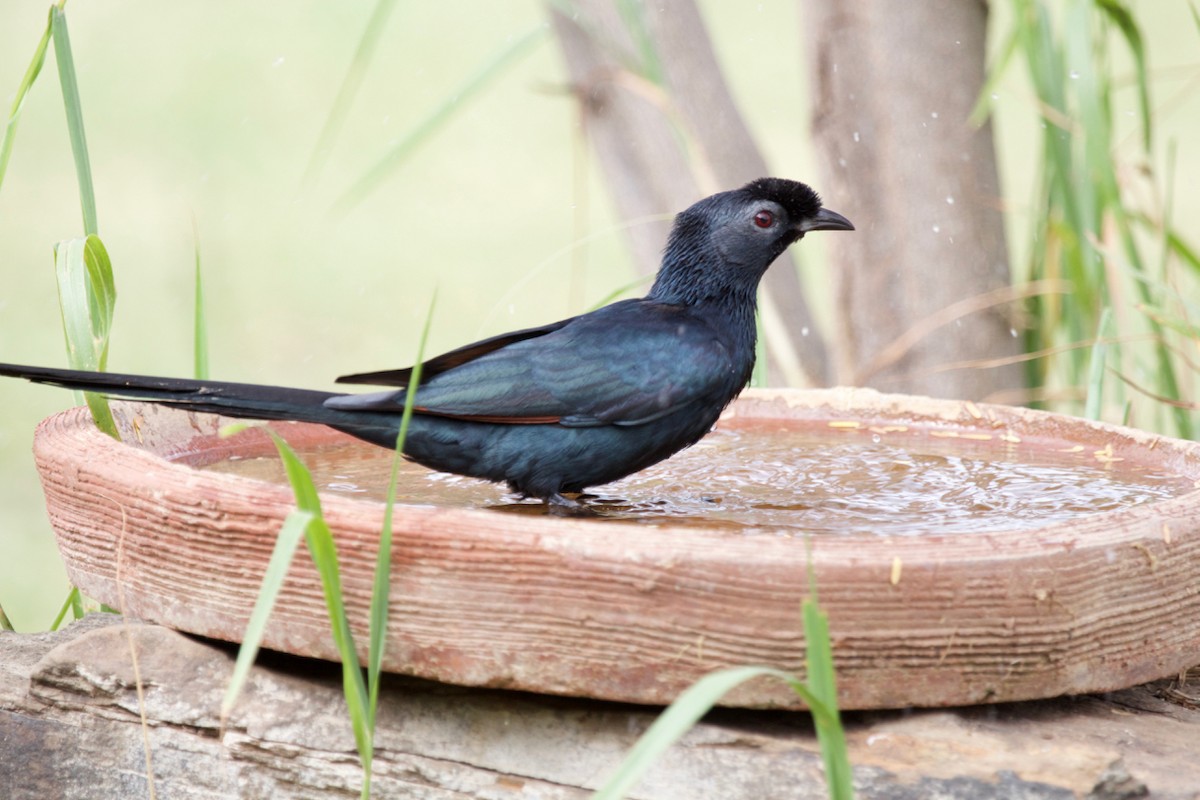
[
  {"x": 822, "y": 683},
  {"x": 5, "y": 622},
  {"x": 281, "y": 558},
  {"x": 1168, "y": 212},
  {"x": 323, "y": 550},
  {"x": 199, "y": 321},
  {"x": 1182, "y": 249},
  {"x": 678, "y": 719},
  {"x": 983, "y": 103},
  {"x": 349, "y": 89},
  {"x": 319, "y": 539},
  {"x": 633, "y": 17},
  {"x": 1095, "y": 384},
  {"x": 491, "y": 69},
  {"x": 1123, "y": 19},
  {"x": 819, "y": 693},
  {"x": 1167, "y": 379},
  {"x": 14, "y": 113},
  {"x": 102, "y": 294},
  {"x": 307, "y": 519},
  {"x": 381, "y": 591},
  {"x": 70, "y": 90},
  {"x": 1183, "y": 327},
  {"x": 87, "y": 296},
  {"x": 72, "y": 603}
]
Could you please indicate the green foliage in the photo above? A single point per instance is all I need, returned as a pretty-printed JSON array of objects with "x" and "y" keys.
[
  {"x": 87, "y": 296},
  {"x": 1087, "y": 228},
  {"x": 307, "y": 520},
  {"x": 381, "y": 589},
  {"x": 14, "y": 113},
  {"x": 323, "y": 550},
  {"x": 86, "y": 290},
  {"x": 87, "y": 293},
  {"x": 294, "y": 527},
  {"x": 70, "y": 91},
  {"x": 1095, "y": 382},
  {"x": 822, "y": 686},
  {"x": 73, "y": 604}
]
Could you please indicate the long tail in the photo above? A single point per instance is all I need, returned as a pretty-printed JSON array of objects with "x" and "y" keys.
[{"x": 243, "y": 400}]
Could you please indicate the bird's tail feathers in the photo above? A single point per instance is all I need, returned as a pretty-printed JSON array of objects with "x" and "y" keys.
[{"x": 244, "y": 400}]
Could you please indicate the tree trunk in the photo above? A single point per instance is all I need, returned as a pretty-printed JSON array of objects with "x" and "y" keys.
[
  {"x": 920, "y": 286},
  {"x": 665, "y": 128}
]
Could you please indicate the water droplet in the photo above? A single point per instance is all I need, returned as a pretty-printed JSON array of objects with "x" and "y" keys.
[
  {"x": 933, "y": 114},
  {"x": 876, "y": 438},
  {"x": 937, "y": 228},
  {"x": 841, "y": 162},
  {"x": 1074, "y": 74},
  {"x": 1012, "y": 332},
  {"x": 949, "y": 199},
  {"x": 995, "y": 95},
  {"x": 278, "y": 61},
  {"x": 856, "y": 136},
  {"x": 804, "y": 331}
]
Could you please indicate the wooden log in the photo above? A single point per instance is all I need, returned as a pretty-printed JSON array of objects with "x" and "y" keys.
[{"x": 71, "y": 726}]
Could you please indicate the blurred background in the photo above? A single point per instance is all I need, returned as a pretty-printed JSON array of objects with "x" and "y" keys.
[{"x": 203, "y": 122}]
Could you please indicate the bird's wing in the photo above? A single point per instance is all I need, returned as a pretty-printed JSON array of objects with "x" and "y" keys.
[
  {"x": 448, "y": 361},
  {"x": 626, "y": 364}
]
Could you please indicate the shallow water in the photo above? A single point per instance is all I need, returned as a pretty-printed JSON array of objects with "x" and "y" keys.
[{"x": 789, "y": 478}]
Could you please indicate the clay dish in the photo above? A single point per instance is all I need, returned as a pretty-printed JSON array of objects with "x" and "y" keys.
[{"x": 631, "y": 612}]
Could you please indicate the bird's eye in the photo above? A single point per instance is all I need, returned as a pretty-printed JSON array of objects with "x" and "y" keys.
[{"x": 764, "y": 219}]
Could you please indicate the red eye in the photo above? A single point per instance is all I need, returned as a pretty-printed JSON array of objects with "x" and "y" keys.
[{"x": 764, "y": 219}]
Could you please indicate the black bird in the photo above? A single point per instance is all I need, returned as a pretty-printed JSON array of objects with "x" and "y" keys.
[{"x": 556, "y": 409}]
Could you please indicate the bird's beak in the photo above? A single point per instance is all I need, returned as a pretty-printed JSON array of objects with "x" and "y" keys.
[{"x": 824, "y": 220}]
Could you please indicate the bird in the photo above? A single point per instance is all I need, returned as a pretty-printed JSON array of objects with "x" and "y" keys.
[{"x": 556, "y": 409}]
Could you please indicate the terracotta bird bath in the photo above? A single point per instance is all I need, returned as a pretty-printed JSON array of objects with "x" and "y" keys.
[{"x": 637, "y": 606}]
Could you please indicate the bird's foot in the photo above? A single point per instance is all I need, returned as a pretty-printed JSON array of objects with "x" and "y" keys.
[{"x": 559, "y": 505}]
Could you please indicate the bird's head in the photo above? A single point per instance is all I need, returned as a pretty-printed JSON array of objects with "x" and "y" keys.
[{"x": 728, "y": 240}]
